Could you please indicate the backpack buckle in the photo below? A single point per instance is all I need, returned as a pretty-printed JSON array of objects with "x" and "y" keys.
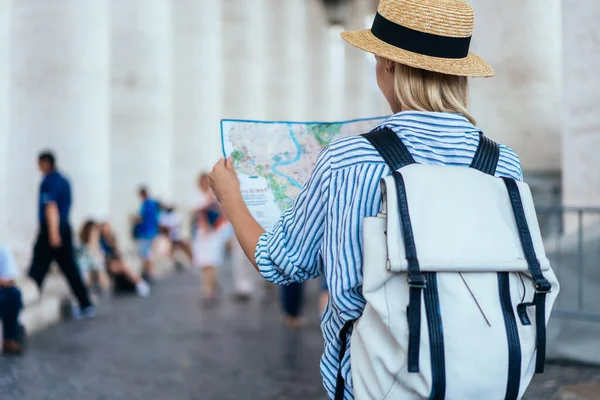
[
  {"x": 543, "y": 287},
  {"x": 417, "y": 283}
]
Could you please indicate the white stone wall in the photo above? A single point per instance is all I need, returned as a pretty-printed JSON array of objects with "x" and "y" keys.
[
  {"x": 197, "y": 93},
  {"x": 521, "y": 105},
  {"x": 132, "y": 92},
  {"x": 580, "y": 107},
  {"x": 248, "y": 60},
  {"x": 59, "y": 86},
  {"x": 4, "y": 115},
  {"x": 141, "y": 93}
]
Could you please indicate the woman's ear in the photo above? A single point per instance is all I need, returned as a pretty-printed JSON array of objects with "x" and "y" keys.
[{"x": 389, "y": 66}]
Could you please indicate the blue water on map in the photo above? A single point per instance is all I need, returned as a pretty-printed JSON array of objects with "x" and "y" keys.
[{"x": 291, "y": 180}]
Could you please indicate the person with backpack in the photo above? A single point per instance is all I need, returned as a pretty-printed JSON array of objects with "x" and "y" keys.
[
  {"x": 146, "y": 230},
  {"x": 439, "y": 287}
]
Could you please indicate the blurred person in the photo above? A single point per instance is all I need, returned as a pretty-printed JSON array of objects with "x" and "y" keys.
[
  {"x": 145, "y": 231},
  {"x": 324, "y": 289},
  {"x": 244, "y": 279},
  {"x": 428, "y": 96},
  {"x": 292, "y": 297},
  {"x": 13, "y": 334},
  {"x": 323, "y": 296},
  {"x": 122, "y": 275},
  {"x": 170, "y": 223},
  {"x": 209, "y": 240},
  {"x": 90, "y": 258},
  {"x": 55, "y": 237}
]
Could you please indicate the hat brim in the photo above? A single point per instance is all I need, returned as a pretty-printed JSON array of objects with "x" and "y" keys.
[{"x": 471, "y": 66}]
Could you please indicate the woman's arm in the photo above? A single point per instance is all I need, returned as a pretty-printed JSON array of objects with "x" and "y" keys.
[
  {"x": 226, "y": 186},
  {"x": 289, "y": 252}
]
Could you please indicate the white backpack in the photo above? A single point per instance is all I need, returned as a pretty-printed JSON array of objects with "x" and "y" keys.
[{"x": 457, "y": 284}]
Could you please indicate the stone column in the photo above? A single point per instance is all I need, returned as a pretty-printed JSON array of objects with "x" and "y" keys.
[
  {"x": 4, "y": 114},
  {"x": 581, "y": 103},
  {"x": 59, "y": 100},
  {"x": 197, "y": 89},
  {"x": 363, "y": 96},
  {"x": 141, "y": 145},
  {"x": 250, "y": 67},
  {"x": 577, "y": 339},
  {"x": 336, "y": 75},
  {"x": 283, "y": 42},
  {"x": 521, "y": 106},
  {"x": 317, "y": 63},
  {"x": 296, "y": 57}
]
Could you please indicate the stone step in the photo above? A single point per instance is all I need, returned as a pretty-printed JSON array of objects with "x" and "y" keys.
[
  {"x": 54, "y": 286},
  {"x": 42, "y": 312}
]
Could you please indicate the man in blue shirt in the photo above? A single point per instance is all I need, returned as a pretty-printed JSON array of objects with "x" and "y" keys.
[
  {"x": 10, "y": 305},
  {"x": 55, "y": 239},
  {"x": 146, "y": 230}
]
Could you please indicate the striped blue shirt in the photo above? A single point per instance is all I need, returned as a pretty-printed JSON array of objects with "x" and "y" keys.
[{"x": 325, "y": 220}]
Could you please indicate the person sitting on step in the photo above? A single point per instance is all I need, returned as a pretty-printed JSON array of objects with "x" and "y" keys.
[
  {"x": 122, "y": 275},
  {"x": 90, "y": 259},
  {"x": 10, "y": 305}
]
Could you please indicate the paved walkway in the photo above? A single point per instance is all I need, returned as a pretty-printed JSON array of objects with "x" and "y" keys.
[{"x": 168, "y": 348}]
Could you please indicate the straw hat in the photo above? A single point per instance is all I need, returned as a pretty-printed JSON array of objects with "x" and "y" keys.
[{"x": 434, "y": 35}]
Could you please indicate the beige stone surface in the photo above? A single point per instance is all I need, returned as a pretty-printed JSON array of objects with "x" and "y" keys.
[
  {"x": 521, "y": 106},
  {"x": 581, "y": 107},
  {"x": 4, "y": 112}
]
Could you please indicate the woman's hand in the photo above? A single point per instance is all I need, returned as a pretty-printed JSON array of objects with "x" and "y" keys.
[
  {"x": 224, "y": 182},
  {"x": 226, "y": 187}
]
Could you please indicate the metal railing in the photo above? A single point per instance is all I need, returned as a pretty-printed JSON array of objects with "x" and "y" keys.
[{"x": 572, "y": 240}]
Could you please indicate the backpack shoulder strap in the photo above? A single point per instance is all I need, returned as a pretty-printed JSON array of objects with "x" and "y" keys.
[
  {"x": 390, "y": 147},
  {"x": 487, "y": 156}
]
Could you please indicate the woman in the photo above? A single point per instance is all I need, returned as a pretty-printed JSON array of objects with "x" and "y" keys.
[
  {"x": 89, "y": 257},
  {"x": 422, "y": 72},
  {"x": 124, "y": 279},
  {"x": 209, "y": 238}
]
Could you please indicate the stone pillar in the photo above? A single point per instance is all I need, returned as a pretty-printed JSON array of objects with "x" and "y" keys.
[
  {"x": 521, "y": 106},
  {"x": 251, "y": 66},
  {"x": 4, "y": 114},
  {"x": 581, "y": 103},
  {"x": 317, "y": 63},
  {"x": 197, "y": 89},
  {"x": 336, "y": 74},
  {"x": 282, "y": 28},
  {"x": 364, "y": 99},
  {"x": 296, "y": 56},
  {"x": 59, "y": 100},
  {"x": 141, "y": 145}
]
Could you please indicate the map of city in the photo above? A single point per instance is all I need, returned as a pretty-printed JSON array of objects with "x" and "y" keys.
[{"x": 275, "y": 159}]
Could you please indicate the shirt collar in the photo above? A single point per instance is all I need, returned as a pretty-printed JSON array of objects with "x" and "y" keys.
[{"x": 430, "y": 121}]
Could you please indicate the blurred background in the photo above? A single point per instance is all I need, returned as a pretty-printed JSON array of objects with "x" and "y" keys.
[{"x": 130, "y": 92}]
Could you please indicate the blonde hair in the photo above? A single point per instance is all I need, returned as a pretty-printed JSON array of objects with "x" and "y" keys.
[{"x": 421, "y": 90}]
